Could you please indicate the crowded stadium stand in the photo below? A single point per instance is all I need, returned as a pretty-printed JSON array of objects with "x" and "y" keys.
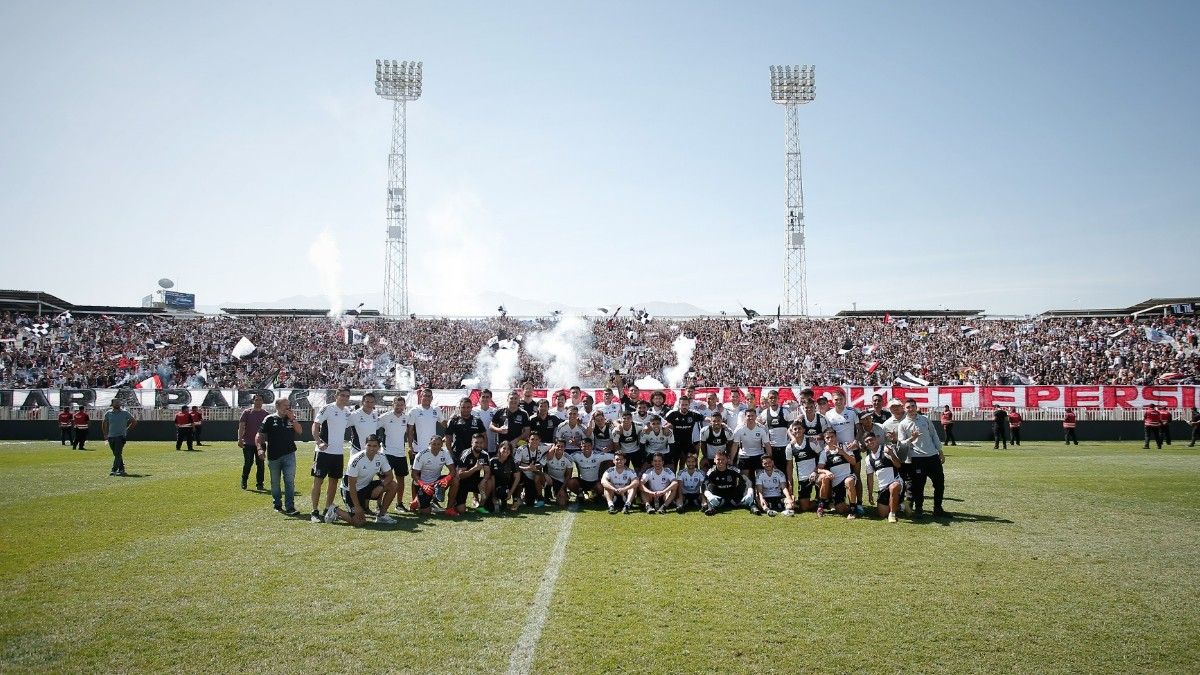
[{"x": 48, "y": 342}]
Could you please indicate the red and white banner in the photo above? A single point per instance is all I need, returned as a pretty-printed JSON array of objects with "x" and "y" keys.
[
  {"x": 1105, "y": 397},
  {"x": 965, "y": 396}
]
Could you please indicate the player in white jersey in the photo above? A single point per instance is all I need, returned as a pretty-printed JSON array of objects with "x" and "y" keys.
[
  {"x": 843, "y": 420},
  {"x": 883, "y": 474},
  {"x": 802, "y": 456},
  {"x": 572, "y": 432},
  {"x": 485, "y": 412},
  {"x": 620, "y": 485},
  {"x": 777, "y": 419},
  {"x": 394, "y": 424},
  {"x": 735, "y": 410},
  {"x": 626, "y": 439},
  {"x": 422, "y": 421},
  {"x": 601, "y": 430},
  {"x": 329, "y": 430},
  {"x": 557, "y": 467},
  {"x": 691, "y": 485},
  {"x": 587, "y": 409},
  {"x": 611, "y": 407},
  {"x": 588, "y": 463},
  {"x": 655, "y": 439},
  {"x": 750, "y": 443},
  {"x": 369, "y": 476},
  {"x": 427, "y": 476},
  {"x": 363, "y": 422},
  {"x": 771, "y": 493},
  {"x": 659, "y": 486},
  {"x": 715, "y": 438},
  {"x": 839, "y": 486},
  {"x": 528, "y": 457}
]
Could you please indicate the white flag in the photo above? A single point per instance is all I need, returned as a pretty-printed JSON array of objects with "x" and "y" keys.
[{"x": 243, "y": 348}]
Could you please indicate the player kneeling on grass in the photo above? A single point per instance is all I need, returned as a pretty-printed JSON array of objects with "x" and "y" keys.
[
  {"x": 360, "y": 486},
  {"x": 690, "y": 485},
  {"x": 557, "y": 467},
  {"x": 725, "y": 487},
  {"x": 620, "y": 485},
  {"x": 771, "y": 490},
  {"x": 659, "y": 486},
  {"x": 588, "y": 463},
  {"x": 427, "y": 477},
  {"x": 529, "y": 461},
  {"x": 473, "y": 475},
  {"x": 839, "y": 489},
  {"x": 883, "y": 471},
  {"x": 504, "y": 475}
]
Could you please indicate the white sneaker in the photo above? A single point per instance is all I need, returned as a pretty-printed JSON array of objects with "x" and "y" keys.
[
  {"x": 385, "y": 519},
  {"x": 892, "y": 517},
  {"x": 771, "y": 513},
  {"x": 331, "y": 515},
  {"x": 789, "y": 512}
]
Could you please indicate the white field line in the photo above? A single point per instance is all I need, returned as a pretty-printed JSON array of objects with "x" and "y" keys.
[{"x": 521, "y": 660}]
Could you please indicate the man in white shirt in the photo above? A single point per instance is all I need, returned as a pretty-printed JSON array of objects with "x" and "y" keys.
[
  {"x": 690, "y": 481},
  {"x": 529, "y": 460},
  {"x": 777, "y": 420},
  {"x": 329, "y": 430},
  {"x": 422, "y": 421},
  {"x": 485, "y": 412},
  {"x": 369, "y": 476},
  {"x": 557, "y": 467},
  {"x": 658, "y": 486},
  {"x": 572, "y": 432},
  {"x": 750, "y": 443},
  {"x": 620, "y": 485},
  {"x": 427, "y": 476},
  {"x": 394, "y": 424},
  {"x": 587, "y": 463},
  {"x": 883, "y": 475},
  {"x": 363, "y": 422},
  {"x": 919, "y": 440},
  {"x": 771, "y": 492},
  {"x": 735, "y": 410},
  {"x": 611, "y": 407}
]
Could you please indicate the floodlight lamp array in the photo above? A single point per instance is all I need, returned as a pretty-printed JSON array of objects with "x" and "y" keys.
[
  {"x": 793, "y": 84},
  {"x": 398, "y": 80}
]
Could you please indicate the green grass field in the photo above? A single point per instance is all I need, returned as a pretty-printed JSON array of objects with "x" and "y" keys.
[{"x": 1075, "y": 559}]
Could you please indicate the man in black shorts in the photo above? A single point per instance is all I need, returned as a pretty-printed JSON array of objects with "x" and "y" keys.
[
  {"x": 473, "y": 475},
  {"x": 502, "y": 473},
  {"x": 691, "y": 485},
  {"x": 588, "y": 464},
  {"x": 367, "y": 477}
]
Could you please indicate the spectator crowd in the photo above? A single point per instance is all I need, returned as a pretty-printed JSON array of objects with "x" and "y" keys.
[{"x": 114, "y": 351}]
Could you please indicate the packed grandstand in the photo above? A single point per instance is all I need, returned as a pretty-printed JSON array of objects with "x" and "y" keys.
[{"x": 50, "y": 343}]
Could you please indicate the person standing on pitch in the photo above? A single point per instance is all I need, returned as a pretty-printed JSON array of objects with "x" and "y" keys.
[
  {"x": 1000, "y": 427},
  {"x": 183, "y": 428},
  {"x": 329, "y": 460},
  {"x": 276, "y": 438},
  {"x": 1194, "y": 423},
  {"x": 1014, "y": 426},
  {"x": 197, "y": 424},
  {"x": 115, "y": 426},
  {"x": 1164, "y": 424},
  {"x": 1069, "y": 427},
  {"x": 248, "y": 426},
  {"x": 64, "y": 426},
  {"x": 918, "y": 438},
  {"x": 948, "y": 426},
  {"x": 1150, "y": 423},
  {"x": 80, "y": 421}
]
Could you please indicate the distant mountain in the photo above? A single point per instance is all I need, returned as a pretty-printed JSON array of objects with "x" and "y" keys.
[{"x": 479, "y": 304}]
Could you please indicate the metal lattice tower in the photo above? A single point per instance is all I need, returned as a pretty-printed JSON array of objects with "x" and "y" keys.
[
  {"x": 399, "y": 82},
  {"x": 792, "y": 86}
]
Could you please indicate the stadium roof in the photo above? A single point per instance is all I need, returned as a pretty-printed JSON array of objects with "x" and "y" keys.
[
  {"x": 39, "y": 302},
  {"x": 898, "y": 313},
  {"x": 1139, "y": 308},
  {"x": 251, "y": 312}
]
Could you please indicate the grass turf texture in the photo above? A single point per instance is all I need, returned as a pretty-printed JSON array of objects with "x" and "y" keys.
[{"x": 1063, "y": 559}]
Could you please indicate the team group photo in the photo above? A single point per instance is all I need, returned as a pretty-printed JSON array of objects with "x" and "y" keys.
[{"x": 625, "y": 337}]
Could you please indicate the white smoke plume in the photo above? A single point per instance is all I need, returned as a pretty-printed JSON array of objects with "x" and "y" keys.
[
  {"x": 323, "y": 254},
  {"x": 563, "y": 351},
  {"x": 496, "y": 366},
  {"x": 683, "y": 347}
]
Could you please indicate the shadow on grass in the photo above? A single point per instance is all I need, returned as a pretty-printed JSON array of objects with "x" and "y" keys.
[
  {"x": 953, "y": 517},
  {"x": 136, "y": 475}
]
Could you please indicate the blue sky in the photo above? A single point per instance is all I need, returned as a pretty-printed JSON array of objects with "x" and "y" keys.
[{"x": 1012, "y": 157}]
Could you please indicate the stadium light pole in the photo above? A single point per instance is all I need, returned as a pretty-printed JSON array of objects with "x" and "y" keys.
[
  {"x": 398, "y": 82},
  {"x": 791, "y": 87}
]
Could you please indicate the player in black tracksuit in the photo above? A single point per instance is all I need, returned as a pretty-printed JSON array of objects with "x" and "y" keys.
[{"x": 724, "y": 487}]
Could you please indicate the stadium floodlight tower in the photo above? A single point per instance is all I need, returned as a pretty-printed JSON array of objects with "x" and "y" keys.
[
  {"x": 399, "y": 82},
  {"x": 791, "y": 87}
]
